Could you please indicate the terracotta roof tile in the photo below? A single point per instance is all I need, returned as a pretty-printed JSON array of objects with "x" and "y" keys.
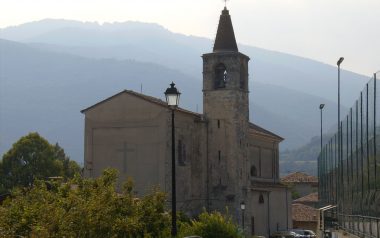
[
  {"x": 299, "y": 177},
  {"x": 312, "y": 197},
  {"x": 301, "y": 212}
]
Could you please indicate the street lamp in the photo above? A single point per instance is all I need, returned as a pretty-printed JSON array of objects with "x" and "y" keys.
[
  {"x": 339, "y": 130},
  {"x": 321, "y": 106},
  {"x": 172, "y": 98},
  {"x": 242, "y": 207},
  {"x": 338, "y": 63}
]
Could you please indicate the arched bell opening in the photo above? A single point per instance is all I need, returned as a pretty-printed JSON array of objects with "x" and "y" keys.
[{"x": 221, "y": 76}]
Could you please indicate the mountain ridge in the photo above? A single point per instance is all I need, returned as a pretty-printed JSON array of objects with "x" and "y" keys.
[{"x": 285, "y": 90}]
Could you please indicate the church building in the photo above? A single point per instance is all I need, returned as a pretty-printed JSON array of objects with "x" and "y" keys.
[{"x": 222, "y": 159}]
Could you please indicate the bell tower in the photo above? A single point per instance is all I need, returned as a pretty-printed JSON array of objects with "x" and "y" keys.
[{"x": 225, "y": 107}]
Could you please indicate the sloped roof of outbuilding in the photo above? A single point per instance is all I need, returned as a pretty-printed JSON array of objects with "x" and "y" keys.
[
  {"x": 312, "y": 197},
  {"x": 301, "y": 212}
]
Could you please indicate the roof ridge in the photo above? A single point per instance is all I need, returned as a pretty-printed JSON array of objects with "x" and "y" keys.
[
  {"x": 142, "y": 96},
  {"x": 260, "y": 129}
]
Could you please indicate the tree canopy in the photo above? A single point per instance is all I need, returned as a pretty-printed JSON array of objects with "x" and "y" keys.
[
  {"x": 94, "y": 208},
  {"x": 33, "y": 157},
  {"x": 84, "y": 208}
]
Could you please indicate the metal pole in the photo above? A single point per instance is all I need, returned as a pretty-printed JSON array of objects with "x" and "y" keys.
[
  {"x": 174, "y": 200},
  {"x": 321, "y": 129},
  {"x": 341, "y": 169},
  {"x": 361, "y": 151},
  {"x": 339, "y": 100},
  {"x": 367, "y": 144},
  {"x": 374, "y": 131},
  {"x": 321, "y": 161},
  {"x": 357, "y": 151},
  {"x": 339, "y": 139},
  {"x": 339, "y": 133},
  {"x": 336, "y": 171},
  {"x": 242, "y": 219},
  {"x": 374, "y": 144},
  {"x": 352, "y": 164}
]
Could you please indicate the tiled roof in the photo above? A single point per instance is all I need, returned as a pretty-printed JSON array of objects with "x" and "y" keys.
[
  {"x": 299, "y": 177},
  {"x": 265, "y": 185},
  {"x": 312, "y": 197},
  {"x": 261, "y": 130},
  {"x": 301, "y": 212}
]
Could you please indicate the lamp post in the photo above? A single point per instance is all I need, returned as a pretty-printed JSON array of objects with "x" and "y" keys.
[
  {"x": 242, "y": 207},
  {"x": 339, "y": 134},
  {"x": 321, "y": 106},
  {"x": 339, "y": 142},
  {"x": 172, "y": 98},
  {"x": 338, "y": 63}
]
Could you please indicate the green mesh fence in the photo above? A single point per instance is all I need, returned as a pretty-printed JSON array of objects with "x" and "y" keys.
[{"x": 349, "y": 166}]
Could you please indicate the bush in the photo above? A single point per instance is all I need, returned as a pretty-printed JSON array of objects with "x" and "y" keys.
[{"x": 211, "y": 225}]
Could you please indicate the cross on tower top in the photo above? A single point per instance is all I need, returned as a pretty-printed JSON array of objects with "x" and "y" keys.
[{"x": 225, "y": 3}]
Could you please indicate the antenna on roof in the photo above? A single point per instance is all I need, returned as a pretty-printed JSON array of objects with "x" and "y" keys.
[
  {"x": 196, "y": 109},
  {"x": 141, "y": 88}
]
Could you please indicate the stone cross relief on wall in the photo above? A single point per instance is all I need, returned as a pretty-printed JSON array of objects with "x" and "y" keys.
[{"x": 125, "y": 151}]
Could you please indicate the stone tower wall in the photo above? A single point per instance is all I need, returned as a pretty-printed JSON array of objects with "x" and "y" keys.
[{"x": 226, "y": 110}]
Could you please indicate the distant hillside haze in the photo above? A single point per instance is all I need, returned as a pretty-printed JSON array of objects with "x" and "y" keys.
[
  {"x": 45, "y": 91},
  {"x": 149, "y": 42},
  {"x": 51, "y": 69}
]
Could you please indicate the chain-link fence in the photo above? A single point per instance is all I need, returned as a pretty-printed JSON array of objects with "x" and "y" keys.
[{"x": 349, "y": 166}]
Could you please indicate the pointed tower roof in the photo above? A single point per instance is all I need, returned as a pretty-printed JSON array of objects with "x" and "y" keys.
[{"x": 225, "y": 36}]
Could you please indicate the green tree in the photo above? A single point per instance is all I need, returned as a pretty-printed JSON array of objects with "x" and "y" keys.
[
  {"x": 93, "y": 208},
  {"x": 84, "y": 208},
  {"x": 30, "y": 158}
]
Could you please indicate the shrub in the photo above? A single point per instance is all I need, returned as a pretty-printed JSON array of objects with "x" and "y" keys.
[{"x": 211, "y": 225}]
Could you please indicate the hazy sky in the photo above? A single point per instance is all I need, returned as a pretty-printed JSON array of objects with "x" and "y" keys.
[{"x": 319, "y": 29}]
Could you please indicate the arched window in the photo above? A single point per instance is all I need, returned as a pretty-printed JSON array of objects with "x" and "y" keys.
[
  {"x": 253, "y": 171},
  {"x": 261, "y": 198},
  {"x": 220, "y": 76}
]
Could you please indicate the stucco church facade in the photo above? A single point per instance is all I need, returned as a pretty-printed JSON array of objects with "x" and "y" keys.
[{"x": 222, "y": 159}]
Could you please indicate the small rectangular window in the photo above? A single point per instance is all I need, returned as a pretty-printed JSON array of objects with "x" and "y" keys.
[
  {"x": 252, "y": 225},
  {"x": 218, "y": 123},
  {"x": 219, "y": 155}
]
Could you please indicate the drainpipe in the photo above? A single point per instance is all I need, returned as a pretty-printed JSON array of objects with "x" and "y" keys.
[
  {"x": 287, "y": 208},
  {"x": 268, "y": 214},
  {"x": 207, "y": 171}
]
